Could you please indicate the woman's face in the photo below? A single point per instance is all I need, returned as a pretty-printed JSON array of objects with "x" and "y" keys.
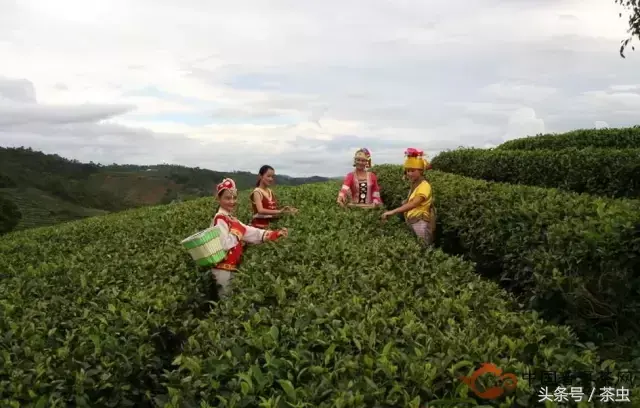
[
  {"x": 361, "y": 163},
  {"x": 228, "y": 200},
  {"x": 413, "y": 174},
  {"x": 268, "y": 177}
]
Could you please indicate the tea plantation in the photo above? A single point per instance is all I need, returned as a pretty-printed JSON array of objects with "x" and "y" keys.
[
  {"x": 603, "y": 162},
  {"x": 345, "y": 312}
]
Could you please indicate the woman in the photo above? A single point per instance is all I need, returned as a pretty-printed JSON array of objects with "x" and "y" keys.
[
  {"x": 263, "y": 200},
  {"x": 234, "y": 233},
  {"x": 361, "y": 185},
  {"x": 418, "y": 210}
]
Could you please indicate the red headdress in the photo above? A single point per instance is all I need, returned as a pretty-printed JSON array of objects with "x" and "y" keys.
[{"x": 226, "y": 184}]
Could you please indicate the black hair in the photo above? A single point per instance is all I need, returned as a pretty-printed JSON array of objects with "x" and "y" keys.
[{"x": 263, "y": 170}]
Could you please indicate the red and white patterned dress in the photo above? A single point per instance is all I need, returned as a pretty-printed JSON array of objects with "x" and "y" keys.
[
  {"x": 233, "y": 234},
  {"x": 365, "y": 191}
]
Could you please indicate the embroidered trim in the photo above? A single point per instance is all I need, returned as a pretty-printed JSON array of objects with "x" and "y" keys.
[
  {"x": 362, "y": 193},
  {"x": 226, "y": 267},
  {"x": 262, "y": 192},
  {"x": 236, "y": 232}
]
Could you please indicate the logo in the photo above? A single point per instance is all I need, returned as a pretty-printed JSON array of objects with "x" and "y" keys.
[{"x": 506, "y": 381}]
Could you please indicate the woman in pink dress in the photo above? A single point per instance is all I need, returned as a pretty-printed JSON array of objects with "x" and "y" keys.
[{"x": 360, "y": 186}]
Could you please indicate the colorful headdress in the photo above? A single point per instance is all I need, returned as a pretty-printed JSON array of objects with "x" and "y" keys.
[
  {"x": 362, "y": 153},
  {"x": 415, "y": 159},
  {"x": 226, "y": 184}
]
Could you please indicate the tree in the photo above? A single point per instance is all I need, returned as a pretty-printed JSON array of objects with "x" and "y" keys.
[
  {"x": 10, "y": 215},
  {"x": 633, "y": 7}
]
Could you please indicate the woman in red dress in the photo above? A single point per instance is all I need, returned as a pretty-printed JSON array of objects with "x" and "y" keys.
[
  {"x": 361, "y": 185},
  {"x": 234, "y": 234},
  {"x": 264, "y": 202}
]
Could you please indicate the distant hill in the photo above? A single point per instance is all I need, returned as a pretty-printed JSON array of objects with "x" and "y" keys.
[{"x": 49, "y": 189}]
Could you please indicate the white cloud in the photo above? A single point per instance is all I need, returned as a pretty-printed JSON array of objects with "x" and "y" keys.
[
  {"x": 524, "y": 122},
  {"x": 302, "y": 84}
]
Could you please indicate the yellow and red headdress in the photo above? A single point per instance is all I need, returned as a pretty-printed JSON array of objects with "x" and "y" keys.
[
  {"x": 415, "y": 159},
  {"x": 362, "y": 153},
  {"x": 226, "y": 184}
]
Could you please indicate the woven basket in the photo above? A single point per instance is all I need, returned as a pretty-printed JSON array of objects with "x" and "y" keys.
[{"x": 205, "y": 247}]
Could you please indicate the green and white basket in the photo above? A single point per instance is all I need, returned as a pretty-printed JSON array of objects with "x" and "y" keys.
[{"x": 205, "y": 247}]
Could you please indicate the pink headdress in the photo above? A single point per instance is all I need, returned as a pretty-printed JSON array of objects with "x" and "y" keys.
[{"x": 226, "y": 184}]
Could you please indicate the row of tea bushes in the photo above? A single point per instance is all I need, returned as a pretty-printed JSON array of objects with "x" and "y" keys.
[
  {"x": 346, "y": 312},
  {"x": 615, "y": 138},
  {"x": 573, "y": 256},
  {"x": 91, "y": 312},
  {"x": 350, "y": 312},
  {"x": 605, "y": 172}
]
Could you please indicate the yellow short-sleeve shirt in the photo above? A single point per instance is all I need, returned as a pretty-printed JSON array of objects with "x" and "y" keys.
[{"x": 422, "y": 211}]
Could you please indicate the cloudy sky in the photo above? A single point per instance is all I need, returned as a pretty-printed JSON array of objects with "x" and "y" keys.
[{"x": 301, "y": 84}]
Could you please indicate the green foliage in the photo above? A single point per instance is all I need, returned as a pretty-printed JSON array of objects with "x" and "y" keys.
[
  {"x": 346, "y": 311},
  {"x": 65, "y": 179},
  {"x": 93, "y": 188},
  {"x": 41, "y": 209},
  {"x": 633, "y": 8},
  {"x": 201, "y": 182},
  {"x": 6, "y": 181},
  {"x": 9, "y": 215},
  {"x": 91, "y": 312},
  {"x": 614, "y": 138},
  {"x": 606, "y": 172},
  {"x": 574, "y": 257}
]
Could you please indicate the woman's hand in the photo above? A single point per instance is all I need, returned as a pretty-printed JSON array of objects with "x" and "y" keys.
[
  {"x": 283, "y": 232},
  {"x": 386, "y": 215}
]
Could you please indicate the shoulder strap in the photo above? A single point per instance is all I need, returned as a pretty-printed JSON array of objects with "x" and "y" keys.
[
  {"x": 255, "y": 190},
  {"x": 222, "y": 217}
]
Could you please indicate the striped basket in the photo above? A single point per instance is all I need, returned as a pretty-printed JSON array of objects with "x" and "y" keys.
[{"x": 205, "y": 247}]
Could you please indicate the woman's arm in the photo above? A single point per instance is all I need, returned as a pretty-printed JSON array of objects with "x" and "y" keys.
[
  {"x": 346, "y": 188},
  {"x": 255, "y": 235},
  {"x": 257, "y": 200},
  {"x": 413, "y": 203}
]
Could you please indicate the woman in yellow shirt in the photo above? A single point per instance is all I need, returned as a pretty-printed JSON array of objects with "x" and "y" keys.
[{"x": 418, "y": 210}]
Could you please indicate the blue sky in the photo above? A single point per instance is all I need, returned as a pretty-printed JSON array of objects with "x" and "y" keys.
[{"x": 301, "y": 85}]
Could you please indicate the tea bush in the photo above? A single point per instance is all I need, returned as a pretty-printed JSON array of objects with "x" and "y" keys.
[
  {"x": 615, "y": 138},
  {"x": 350, "y": 313},
  {"x": 573, "y": 256},
  {"x": 345, "y": 312},
  {"x": 89, "y": 310},
  {"x": 605, "y": 172}
]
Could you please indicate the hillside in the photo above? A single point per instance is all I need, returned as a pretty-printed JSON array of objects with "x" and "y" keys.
[
  {"x": 346, "y": 311},
  {"x": 49, "y": 189},
  {"x": 38, "y": 208}
]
